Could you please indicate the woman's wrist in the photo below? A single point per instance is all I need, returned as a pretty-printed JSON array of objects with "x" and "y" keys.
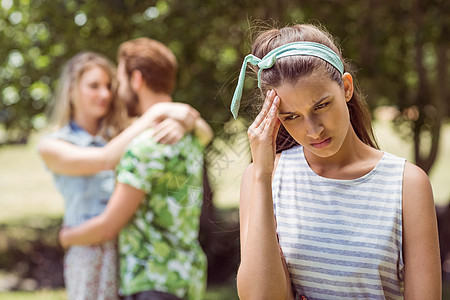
[
  {"x": 64, "y": 237},
  {"x": 262, "y": 174}
]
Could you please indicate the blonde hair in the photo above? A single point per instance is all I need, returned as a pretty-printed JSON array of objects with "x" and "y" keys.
[{"x": 62, "y": 110}]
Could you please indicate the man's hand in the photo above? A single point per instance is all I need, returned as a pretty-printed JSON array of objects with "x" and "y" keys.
[
  {"x": 181, "y": 112},
  {"x": 169, "y": 132}
]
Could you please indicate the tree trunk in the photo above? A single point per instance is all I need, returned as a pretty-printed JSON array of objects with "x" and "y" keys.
[{"x": 430, "y": 116}]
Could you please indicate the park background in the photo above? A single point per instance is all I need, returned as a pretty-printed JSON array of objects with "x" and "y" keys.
[{"x": 399, "y": 50}]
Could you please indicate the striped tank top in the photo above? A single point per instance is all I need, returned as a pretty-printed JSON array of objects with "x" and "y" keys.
[{"x": 342, "y": 239}]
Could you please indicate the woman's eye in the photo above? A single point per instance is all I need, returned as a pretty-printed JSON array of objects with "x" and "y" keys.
[
  {"x": 321, "y": 105},
  {"x": 292, "y": 117}
]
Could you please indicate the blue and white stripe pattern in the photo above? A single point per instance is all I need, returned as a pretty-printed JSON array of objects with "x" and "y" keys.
[{"x": 342, "y": 239}]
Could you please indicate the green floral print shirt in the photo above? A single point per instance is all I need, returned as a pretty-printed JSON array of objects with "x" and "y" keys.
[{"x": 159, "y": 248}]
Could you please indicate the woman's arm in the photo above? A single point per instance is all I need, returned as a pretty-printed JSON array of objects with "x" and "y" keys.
[
  {"x": 65, "y": 158},
  {"x": 420, "y": 237},
  {"x": 262, "y": 274},
  {"x": 120, "y": 209}
]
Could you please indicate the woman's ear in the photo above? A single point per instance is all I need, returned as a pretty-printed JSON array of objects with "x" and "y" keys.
[{"x": 348, "y": 86}]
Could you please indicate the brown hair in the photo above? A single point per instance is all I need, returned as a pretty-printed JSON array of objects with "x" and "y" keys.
[
  {"x": 290, "y": 69},
  {"x": 62, "y": 109},
  {"x": 156, "y": 62}
]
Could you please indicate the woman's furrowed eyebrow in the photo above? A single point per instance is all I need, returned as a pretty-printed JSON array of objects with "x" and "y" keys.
[
  {"x": 314, "y": 105},
  {"x": 286, "y": 113},
  {"x": 320, "y": 100}
]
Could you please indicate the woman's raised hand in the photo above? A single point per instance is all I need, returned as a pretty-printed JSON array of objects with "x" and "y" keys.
[{"x": 262, "y": 134}]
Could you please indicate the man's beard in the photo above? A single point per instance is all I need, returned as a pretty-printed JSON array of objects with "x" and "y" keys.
[{"x": 132, "y": 102}]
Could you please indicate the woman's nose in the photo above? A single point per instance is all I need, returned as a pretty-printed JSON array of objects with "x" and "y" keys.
[
  {"x": 105, "y": 92},
  {"x": 314, "y": 127}
]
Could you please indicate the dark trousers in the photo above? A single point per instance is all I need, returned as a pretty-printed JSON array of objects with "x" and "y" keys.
[{"x": 151, "y": 295}]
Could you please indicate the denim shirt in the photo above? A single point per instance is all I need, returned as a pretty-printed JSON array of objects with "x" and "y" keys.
[{"x": 84, "y": 196}]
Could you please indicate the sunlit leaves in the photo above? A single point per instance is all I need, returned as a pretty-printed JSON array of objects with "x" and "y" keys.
[
  {"x": 210, "y": 39},
  {"x": 6, "y": 4},
  {"x": 57, "y": 49},
  {"x": 15, "y": 59},
  {"x": 39, "y": 121},
  {"x": 226, "y": 57},
  {"x": 151, "y": 13},
  {"x": 162, "y": 6},
  {"x": 39, "y": 91},
  {"x": 15, "y": 17},
  {"x": 10, "y": 95},
  {"x": 80, "y": 18},
  {"x": 104, "y": 25}
]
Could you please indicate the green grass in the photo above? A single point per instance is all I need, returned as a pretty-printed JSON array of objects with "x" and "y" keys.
[
  {"x": 26, "y": 187},
  {"x": 214, "y": 293},
  {"x": 40, "y": 295}
]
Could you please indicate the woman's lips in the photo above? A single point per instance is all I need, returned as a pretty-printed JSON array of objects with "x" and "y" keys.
[{"x": 321, "y": 144}]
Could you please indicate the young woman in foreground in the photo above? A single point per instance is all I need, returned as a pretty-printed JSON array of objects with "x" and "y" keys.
[{"x": 331, "y": 217}]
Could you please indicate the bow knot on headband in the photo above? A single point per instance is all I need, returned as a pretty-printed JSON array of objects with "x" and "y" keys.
[{"x": 291, "y": 49}]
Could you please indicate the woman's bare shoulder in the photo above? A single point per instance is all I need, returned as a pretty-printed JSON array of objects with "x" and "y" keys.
[{"x": 417, "y": 190}]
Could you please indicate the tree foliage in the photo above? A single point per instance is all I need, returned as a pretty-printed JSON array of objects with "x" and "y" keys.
[{"x": 400, "y": 49}]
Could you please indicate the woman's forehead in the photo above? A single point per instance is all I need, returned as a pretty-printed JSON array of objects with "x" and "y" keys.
[
  {"x": 94, "y": 71},
  {"x": 306, "y": 92},
  {"x": 312, "y": 84}
]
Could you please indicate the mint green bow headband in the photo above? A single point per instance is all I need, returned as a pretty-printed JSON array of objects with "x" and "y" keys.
[{"x": 291, "y": 49}]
